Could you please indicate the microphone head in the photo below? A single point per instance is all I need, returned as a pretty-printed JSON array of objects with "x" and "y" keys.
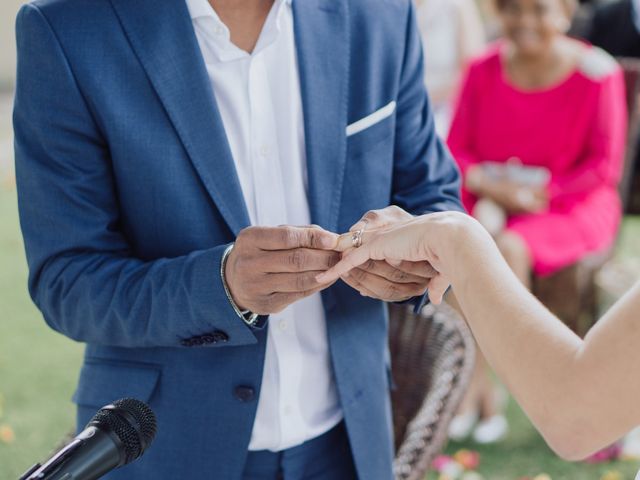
[{"x": 132, "y": 422}]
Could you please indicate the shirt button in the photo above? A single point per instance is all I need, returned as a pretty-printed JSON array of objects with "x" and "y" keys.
[
  {"x": 219, "y": 30},
  {"x": 283, "y": 325},
  {"x": 244, "y": 393},
  {"x": 264, "y": 150}
]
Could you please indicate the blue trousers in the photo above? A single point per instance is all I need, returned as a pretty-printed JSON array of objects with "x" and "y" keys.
[{"x": 327, "y": 457}]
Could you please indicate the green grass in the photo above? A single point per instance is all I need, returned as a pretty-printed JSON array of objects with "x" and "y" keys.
[
  {"x": 525, "y": 454},
  {"x": 39, "y": 369},
  {"x": 629, "y": 246}
]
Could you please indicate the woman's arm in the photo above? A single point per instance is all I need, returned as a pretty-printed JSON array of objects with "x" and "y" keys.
[{"x": 581, "y": 395}]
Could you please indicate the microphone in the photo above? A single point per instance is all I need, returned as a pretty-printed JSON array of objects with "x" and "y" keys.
[{"x": 117, "y": 435}]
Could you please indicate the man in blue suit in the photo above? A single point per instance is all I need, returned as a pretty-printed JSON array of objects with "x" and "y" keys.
[{"x": 164, "y": 149}]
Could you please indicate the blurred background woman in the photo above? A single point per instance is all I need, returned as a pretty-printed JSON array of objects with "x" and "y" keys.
[
  {"x": 538, "y": 132},
  {"x": 452, "y": 33}
]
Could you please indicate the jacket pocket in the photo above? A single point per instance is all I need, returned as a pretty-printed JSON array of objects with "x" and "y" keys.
[
  {"x": 372, "y": 119},
  {"x": 103, "y": 382},
  {"x": 369, "y": 138}
]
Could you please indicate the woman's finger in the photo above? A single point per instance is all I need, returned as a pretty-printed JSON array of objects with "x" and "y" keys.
[
  {"x": 382, "y": 288},
  {"x": 346, "y": 240},
  {"x": 438, "y": 286},
  {"x": 351, "y": 259},
  {"x": 421, "y": 269}
]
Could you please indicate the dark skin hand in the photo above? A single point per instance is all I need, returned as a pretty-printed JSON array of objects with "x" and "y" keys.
[{"x": 270, "y": 268}]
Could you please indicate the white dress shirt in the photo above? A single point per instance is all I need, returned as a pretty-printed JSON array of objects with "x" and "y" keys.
[{"x": 258, "y": 95}]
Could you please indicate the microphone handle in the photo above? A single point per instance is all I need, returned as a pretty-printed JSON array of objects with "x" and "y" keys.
[{"x": 93, "y": 454}]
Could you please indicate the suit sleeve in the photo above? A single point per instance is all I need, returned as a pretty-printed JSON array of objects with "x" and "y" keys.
[
  {"x": 82, "y": 273},
  {"x": 425, "y": 177}
]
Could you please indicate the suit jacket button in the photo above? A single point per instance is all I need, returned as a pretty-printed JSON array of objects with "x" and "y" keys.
[
  {"x": 220, "y": 336},
  {"x": 245, "y": 393}
]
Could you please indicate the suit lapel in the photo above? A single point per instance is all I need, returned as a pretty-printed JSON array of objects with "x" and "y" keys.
[
  {"x": 162, "y": 36},
  {"x": 322, "y": 41}
]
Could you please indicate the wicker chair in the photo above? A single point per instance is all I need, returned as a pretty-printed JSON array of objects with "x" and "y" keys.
[
  {"x": 432, "y": 356},
  {"x": 571, "y": 293}
]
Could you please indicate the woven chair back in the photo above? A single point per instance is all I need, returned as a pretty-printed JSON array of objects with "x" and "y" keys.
[{"x": 432, "y": 357}]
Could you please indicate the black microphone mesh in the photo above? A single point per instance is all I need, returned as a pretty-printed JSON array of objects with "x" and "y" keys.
[
  {"x": 135, "y": 438},
  {"x": 143, "y": 415}
]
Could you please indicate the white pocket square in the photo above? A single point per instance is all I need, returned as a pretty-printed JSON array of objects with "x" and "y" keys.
[{"x": 371, "y": 120}]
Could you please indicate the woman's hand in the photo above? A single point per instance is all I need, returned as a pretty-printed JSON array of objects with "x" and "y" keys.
[
  {"x": 379, "y": 279},
  {"x": 430, "y": 239},
  {"x": 513, "y": 197},
  {"x": 516, "y": 198}
]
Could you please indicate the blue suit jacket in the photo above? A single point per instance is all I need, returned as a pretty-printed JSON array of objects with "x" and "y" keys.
[{"x": 128, "y": 196}]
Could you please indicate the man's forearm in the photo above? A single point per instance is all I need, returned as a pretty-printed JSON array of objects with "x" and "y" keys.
[{"x": 105, "y": 299}]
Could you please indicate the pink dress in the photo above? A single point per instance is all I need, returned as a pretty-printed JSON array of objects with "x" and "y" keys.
[{"x": 576, "y": 129}]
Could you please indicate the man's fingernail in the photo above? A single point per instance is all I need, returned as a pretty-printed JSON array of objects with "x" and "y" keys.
[
  {"x": 345, "y": 275},
  {"x": 394, "y": 263}
]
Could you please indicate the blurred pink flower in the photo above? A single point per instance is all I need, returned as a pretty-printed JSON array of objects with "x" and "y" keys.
[{"x": 606, "y": 454}]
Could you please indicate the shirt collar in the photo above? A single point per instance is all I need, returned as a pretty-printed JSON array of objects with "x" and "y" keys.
[
  {"x": 202, "y": 8},
  {"x": 219, "y": 36}
]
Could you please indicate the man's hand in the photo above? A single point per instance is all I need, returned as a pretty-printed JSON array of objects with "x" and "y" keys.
[
  {"x": 386, "y": 281},
  {"x": 271, "y": 268}
]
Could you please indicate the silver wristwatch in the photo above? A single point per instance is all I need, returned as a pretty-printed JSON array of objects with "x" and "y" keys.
[{"x": 247, "y": 316}]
